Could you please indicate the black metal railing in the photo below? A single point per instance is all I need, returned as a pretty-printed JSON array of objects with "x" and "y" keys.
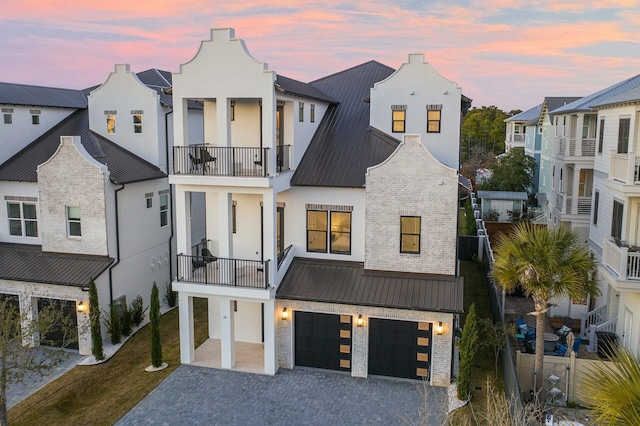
[
  {"x": 221, "y": 271},
  {"x": 283, "y": 255},
  {"x": 221, "y": 161}
]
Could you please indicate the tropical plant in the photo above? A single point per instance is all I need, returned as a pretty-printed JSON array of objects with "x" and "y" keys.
[
  {"x": 137, "y": 310},
  {"x": 154, "y": 317},
  {"x": 112, "y": 322},
  {"x": 468, "y": 346},
  {"x": 545, "y": 263},
  {"x": 94, "y": 320},
  {"x": 612, "y": 390}
]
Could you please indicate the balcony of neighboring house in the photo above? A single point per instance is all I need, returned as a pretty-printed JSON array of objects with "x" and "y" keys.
[
  {"x": 573, "y": 149},
  {"x": 624, "y": 173},
  {"x": 578, "y": 206},
  {"x": 622, "y": 262},
  {"x": 575, "y": 138}
]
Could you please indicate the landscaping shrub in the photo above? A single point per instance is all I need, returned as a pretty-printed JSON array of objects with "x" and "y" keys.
[
  {"x": 112, "y": 322},
  {"x": 171, "y": 297},
  {"x": 154, "y": 317},
  {"x": 126, "y": 324},
  {"x": 468, "y": 346},
  {"x": 137, "y": 310},
  {"x": 94, "y": 319}
]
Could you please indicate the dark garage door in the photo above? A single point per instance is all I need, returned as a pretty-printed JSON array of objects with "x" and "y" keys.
[
  {"x": 323, "y": 340},
  {"x": 56, "y": 336},
  {"x": 399, "y": 348}
]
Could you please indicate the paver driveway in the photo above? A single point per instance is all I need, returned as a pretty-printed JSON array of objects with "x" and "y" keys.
[{"x": 203, "y": 396}]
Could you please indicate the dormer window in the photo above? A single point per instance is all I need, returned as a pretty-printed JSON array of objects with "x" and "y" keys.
[
  {"x": 35, "y": 116},
  {"x": 8, "y": 115}
]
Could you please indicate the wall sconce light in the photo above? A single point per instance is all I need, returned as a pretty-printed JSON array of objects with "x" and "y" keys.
[
  {"x": 82, "y": 308},
  {"x": 439, "y": 329},
  {"x": 360, "y": 321},
  {"x": 285, "y": 314}
]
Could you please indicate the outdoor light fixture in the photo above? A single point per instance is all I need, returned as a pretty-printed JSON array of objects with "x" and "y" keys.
[
  {"x": 82, "y": 308},
  {"x": 285, "y": 314},
  {"x": 439, "y": 329},
  {"x": 360, "y": 321}
]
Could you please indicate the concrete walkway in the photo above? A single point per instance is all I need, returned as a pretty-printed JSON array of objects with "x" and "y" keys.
[{"x": 204, "y": 396}]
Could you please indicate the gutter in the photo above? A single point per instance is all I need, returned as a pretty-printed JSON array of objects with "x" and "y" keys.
[
  {"x": 117, "y": 248},
  {"x": 166, "y": 148}
]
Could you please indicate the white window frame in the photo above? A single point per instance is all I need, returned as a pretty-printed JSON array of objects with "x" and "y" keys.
[
  {"x": 22, "y": 219},
  {"x": 164, "y": 210},
  {"x": 74, "y": 220}
]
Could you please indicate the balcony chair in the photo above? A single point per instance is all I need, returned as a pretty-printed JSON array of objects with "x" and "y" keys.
[
  {"x": 528, "y": 330},
  {"x": 561, "y": 350},
  {"x": 207, "y": 256}
]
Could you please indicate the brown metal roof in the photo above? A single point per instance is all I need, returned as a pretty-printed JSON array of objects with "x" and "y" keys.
[
  {"x": 23, "y": 262},
  {"x": 333, "y": 281}
]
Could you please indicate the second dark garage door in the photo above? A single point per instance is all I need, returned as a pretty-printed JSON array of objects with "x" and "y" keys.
[
  {"x": 323, "y": 340},
  {"x": 399, "y": 348}
]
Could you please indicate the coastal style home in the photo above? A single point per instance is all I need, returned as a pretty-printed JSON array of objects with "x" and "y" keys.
[
  {"x": 330, "y": 213},
  {"x": 88, "y": 197}
]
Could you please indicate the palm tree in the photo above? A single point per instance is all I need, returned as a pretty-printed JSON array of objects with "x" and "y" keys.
[
  {"x": 545, "y": 263},
  {"x": 612, "y": 390}
]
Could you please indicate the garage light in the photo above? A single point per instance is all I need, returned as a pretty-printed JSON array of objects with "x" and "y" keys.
[
  {"x": 285, "y": 314},
  {"x": 82, "y": 308},
  {"x": 439, "y": 329},
  {"x": 360, "y": 321}
]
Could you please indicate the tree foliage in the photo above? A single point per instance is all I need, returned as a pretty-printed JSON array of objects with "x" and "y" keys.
[
  {"x": 94, "y": 320},
  {"x": 612, "y": 390},
  {"x": 512, "y": 172},
  {"x": 545, "y": 263},
  {"x": 468, "y": 346},
  {"x": 494, "y": 337},
  {"x": 20, "y": 358},
  {"x": 154, "y": 317},
  {"x": 484, "y": 127}
]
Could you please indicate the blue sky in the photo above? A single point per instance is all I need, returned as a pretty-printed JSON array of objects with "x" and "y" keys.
[{"x": 505, "y": 53}]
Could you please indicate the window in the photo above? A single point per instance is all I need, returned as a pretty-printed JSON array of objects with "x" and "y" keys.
[
  {"x": 312, "y": 113},
  {"x": 341, "y": 232},
  {"x": 8, "y": 118},
  {"x": 232, "y": 110},
  {"x": 74, "y": 228},
  {"x": 233, "y": 217},
  {"x": 600, "y": 136},
  {"x": 553, "y": 177},
  {"x": 23, "y": 221},
  {"x": 410, "y": 234},
  {"x": 137, "y": 123},
  {"x": 149, "y": 200},
  {"x": 517, "y": 129},
  {"x": 164, "y": 210},
  {"x": 623, "y": 136},
  {"x": 585, "y": 126},
  {"x": 111, "y": 123},
  {"x": 318, "y": 237},
  {"x": 433, "y": 121},
  {"x": 398, "y": 117},
  {"x": 596, "y": 203},
  {"x": 616, "y": 220},
  {"x": 317, "y": 231},
  {"x": 301, "y": 112},
  {"x": 585, "y": 184},
  {"x": 35, "y": 119}
]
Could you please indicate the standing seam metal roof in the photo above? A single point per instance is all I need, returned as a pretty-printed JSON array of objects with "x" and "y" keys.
[
  {"x": 585, "y": 104},
  {"x": 332, "y": 281},
  {"x": 344, "y": 145},
  {"x": 124, "y": 166},
  {"x": 39, "y": 96}
]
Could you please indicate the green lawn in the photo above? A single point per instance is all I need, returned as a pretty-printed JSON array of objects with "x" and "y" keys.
[{"x": 101, "y": 394}]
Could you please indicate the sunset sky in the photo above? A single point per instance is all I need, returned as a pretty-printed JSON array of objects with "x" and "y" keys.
[{"x": 508, "y": 53}]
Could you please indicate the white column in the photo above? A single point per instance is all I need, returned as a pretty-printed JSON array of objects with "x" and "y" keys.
[
  {"x": 213, "y": 315},
  {"x": 269, "y": 130},
  {"x": 223, "y": 128},
  {"x": 225, "y": 231},
  {"x": 187, "y": 342},
  {"x": 270, "y": 358},
  {"x": 575, "y": 190},
  {"x": 360, "y": 348},
  {"x": 227, "y": 334},
  {"x": 269, "y": 233},
  {"x": 578, "y": 135},
  {"x": 180, "y": 122},
  {"x": 183, "y": 221}
]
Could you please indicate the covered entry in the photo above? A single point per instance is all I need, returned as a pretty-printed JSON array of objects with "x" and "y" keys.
[
  {"x": 323, "y": 340},
  {"x": 56, "y": 336},
  {"x": 399, "y": 348}
]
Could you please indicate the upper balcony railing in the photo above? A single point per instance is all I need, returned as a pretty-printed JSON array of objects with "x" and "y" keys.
[
  {"x": 211, "y": 160},
  {"x": 567, "y": 204},
  {"x": 620, "y": 168},
  {"x": 569, "y": 147},
  {"x": 623, "y": 260},
  {"x": 225, "y": 272}
]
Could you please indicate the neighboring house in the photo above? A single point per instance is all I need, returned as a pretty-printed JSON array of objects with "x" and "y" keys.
[
  {"x": 502, "y": 204},
  {"x": 615, "y": 222},
  {"x": 89, "y": 198},
  {"x": 331, "y": 216},
  {"x": 516, "y": 131}
]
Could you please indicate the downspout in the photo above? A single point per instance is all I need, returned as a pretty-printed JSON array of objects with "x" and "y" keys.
[
  {"x": 117, "y": 248},
  {"x": 166, "y": 147}
]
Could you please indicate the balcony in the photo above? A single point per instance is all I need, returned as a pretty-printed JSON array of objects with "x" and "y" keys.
[
  {"x": 208, "y": 160},
  {"x": 211, "y": 270},
  {"x": 573, "y": 205},
  {"x": 572, "y": 147},
  {"x": 624, "y": 262}
]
